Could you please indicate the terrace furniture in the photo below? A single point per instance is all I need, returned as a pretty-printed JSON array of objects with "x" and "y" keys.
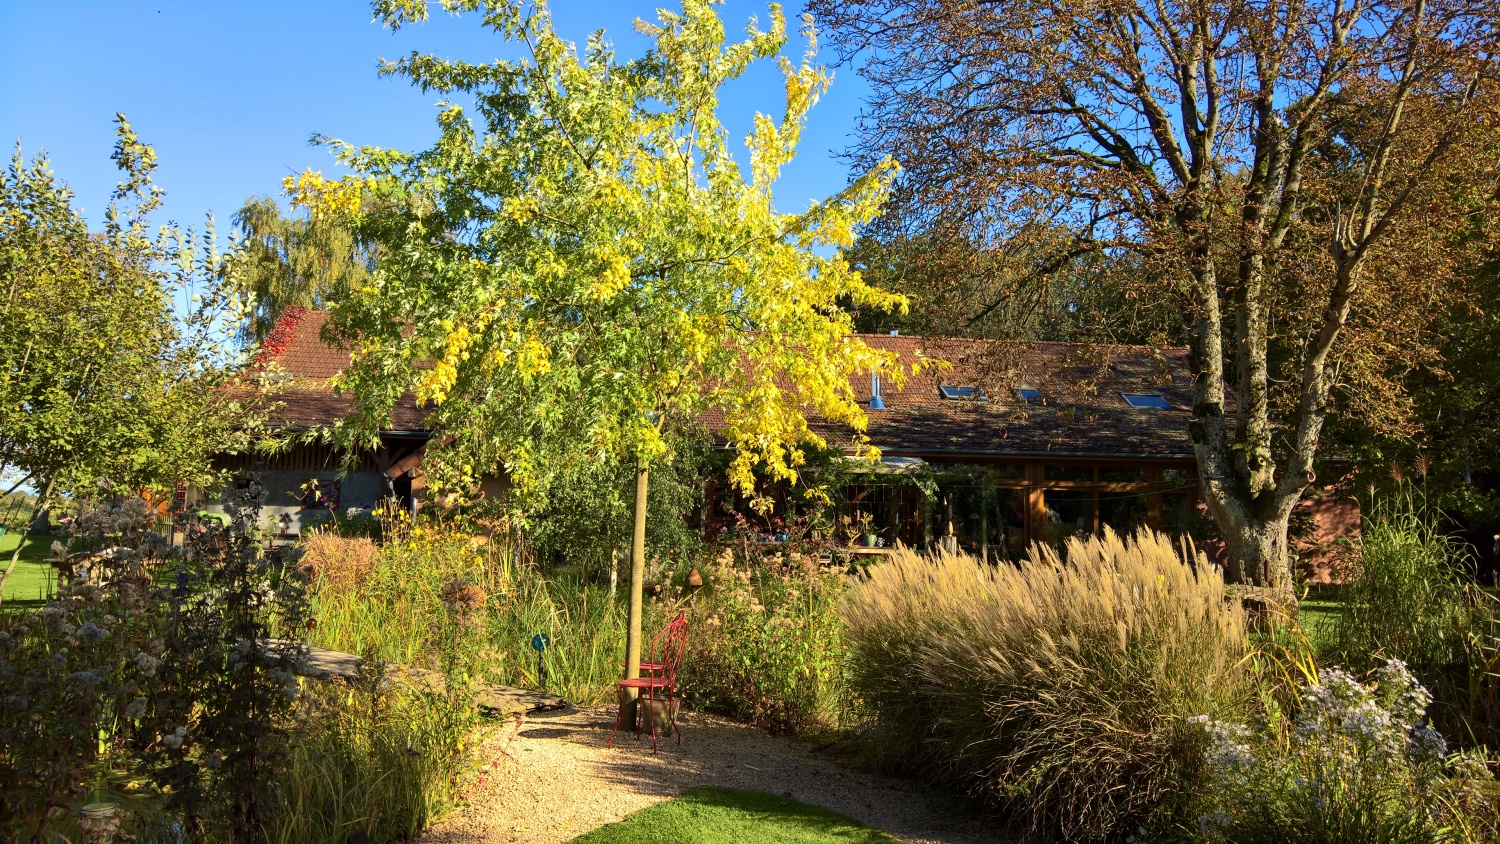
[{"x": 658, "y": 675}]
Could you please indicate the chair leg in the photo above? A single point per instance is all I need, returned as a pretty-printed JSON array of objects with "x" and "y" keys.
[
  {"x": 619, "y": 716},
  {"x": 651, "y": 712},
  {"x": 672, "y": 714}
]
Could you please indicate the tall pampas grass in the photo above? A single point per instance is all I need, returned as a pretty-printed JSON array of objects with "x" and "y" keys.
[{"x": 1058, "y": 688}]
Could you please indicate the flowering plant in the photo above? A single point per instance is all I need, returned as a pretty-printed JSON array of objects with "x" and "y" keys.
[{"x": 1356, "y": 762}]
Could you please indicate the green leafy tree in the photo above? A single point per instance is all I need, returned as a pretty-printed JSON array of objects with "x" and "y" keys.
[
  {"x": 285, "y": 261},
  {"x": 587, "y": 261},
  {"x": 110, "y": 365}
]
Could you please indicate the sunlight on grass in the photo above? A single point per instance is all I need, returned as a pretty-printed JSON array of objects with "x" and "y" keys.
[
  {"x": 730, "y": 816},
  {"x": 31, "y": 582}
]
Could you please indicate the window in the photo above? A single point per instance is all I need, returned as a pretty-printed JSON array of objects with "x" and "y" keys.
[
  {"x": 1153, "y": 401},
  {"x": 1122, "y": 476},
  {"x": 1075, "y": 474},
  {"x": 1008, "y": 472},
  {"x": 956, "y": 393},
  {"x": 320, "y": 495},
  {"x": 1029, "y": 396}
]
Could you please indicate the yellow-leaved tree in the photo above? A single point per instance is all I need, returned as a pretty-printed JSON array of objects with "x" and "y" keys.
[{"x": 586, "y": 259}]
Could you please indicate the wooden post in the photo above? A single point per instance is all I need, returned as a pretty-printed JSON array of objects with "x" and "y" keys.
[{"x": 637, "y": 596}]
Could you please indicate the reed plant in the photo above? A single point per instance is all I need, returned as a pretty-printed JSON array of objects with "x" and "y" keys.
[
  {"x": 443, "y": 600},
  {"x": 1058, "y": 688},
  {"x": 1404, "y": 592},
  {"x": 375, "y": 762}
]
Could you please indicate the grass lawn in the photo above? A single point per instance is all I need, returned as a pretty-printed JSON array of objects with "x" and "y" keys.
[
  {"x": 731, "y": 816},
  {"x": 31, "y": 581},
  {"x": 1318, "y": 612}
]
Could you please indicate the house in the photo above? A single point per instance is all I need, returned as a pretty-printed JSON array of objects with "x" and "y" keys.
[{"x": 1008, "y": 444}]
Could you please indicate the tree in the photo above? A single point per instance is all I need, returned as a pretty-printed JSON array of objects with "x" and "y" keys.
[
  {"x": 1273, "y": 166},
  {"x": 282, "y": 262},
  {"x": 588, "y": 261},
  {"x": 110, "y": 369}
]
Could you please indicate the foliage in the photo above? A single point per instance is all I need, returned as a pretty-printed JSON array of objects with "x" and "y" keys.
[
  {"x": 119, "y": 680},
  {"x": 111, "y": 360},
  {"x": 1057, "y": 690},
  {"x": 375, "y": 760},
  {"x": 449, "y": 601},
  {"x": 728, "y": 816},
  {"x": 282, "y": 262},
  {"x": 1292, "y": 180},
  {"x": 587, "y": 259},
  {"x": 1354, "y": 763},
  {"x": 767, "y": 644},
  {"x": 1020, "y": 290},
  {"x": 583, "y": 515},
  {"x": 1403, "y": 596}
]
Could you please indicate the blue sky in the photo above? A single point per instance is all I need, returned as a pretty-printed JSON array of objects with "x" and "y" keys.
[{"x": 229, "y": 93}]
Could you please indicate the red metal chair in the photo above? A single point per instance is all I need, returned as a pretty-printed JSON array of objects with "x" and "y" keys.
[{"x": 658, "y": 673}]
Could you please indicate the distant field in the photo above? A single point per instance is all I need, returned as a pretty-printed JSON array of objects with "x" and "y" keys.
[{"x": 31, "y": 582}]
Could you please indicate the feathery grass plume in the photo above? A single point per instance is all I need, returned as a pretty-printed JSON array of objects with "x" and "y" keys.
[
  {"x": 337, "y": 561},
  {"x": 1058, "y": 690}
]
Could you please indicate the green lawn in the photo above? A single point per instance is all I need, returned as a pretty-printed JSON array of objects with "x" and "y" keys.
[
  {"x": 730, "y": 816},
  {"x": 32, "y": 580}
]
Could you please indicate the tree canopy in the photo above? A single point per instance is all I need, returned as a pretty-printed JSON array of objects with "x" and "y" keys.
[
  {"x": 282, "y": 261},
  {"x": 587, "y": 257},
  {"x": 110, "y": 360},
  {"x": 1289, "y": 175}
]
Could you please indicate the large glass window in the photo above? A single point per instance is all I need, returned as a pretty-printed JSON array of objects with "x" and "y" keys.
[
  {"x": 1176, "y": 512},
  {"x": 1069, "y": 473},
  {"x": 1115, "y": 475},
  {"x": 1069, "y": 512},
  {"x": 1122, "y": 511}
]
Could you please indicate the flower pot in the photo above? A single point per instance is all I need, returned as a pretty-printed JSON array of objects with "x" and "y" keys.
[
  {"x": 660, "y": 712},
  {"x": 869, "y": 540},
  {"x": 99, "y": 821}
]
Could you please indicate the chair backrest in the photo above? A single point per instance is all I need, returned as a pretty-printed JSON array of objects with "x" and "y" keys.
[{"x": 668, "y": 646}]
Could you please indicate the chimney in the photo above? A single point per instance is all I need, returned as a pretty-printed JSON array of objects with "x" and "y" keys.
[{"x": 876, "y": 402}]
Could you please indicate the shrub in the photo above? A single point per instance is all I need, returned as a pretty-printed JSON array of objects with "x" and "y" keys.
[
  {"x": 1357, "y": 763},
  {"x": 1057, "y": 691},
  {"x": 122, "y": 687},
  {"x": 767, "y": 645}
]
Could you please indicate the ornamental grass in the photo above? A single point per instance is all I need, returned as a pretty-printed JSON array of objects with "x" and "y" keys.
[{"x": 1058, "y": 689}]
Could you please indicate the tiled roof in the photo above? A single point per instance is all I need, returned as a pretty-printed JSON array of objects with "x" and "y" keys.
[
  {"x": 1081, "y": 410},
  {"x": 297, "y": 347}
]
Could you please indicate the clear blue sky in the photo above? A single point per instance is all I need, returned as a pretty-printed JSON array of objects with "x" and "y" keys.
[{"x": 229, "y": 93}]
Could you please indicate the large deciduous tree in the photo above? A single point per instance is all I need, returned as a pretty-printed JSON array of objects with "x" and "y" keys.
[
  {"x": 283, "y": 261},
  {"x": 586, "y": 261},
  {"x": 110, "y": 369},
  {"x": 1277, "y": 167}
]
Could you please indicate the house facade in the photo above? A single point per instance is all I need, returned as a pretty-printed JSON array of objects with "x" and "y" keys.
[{"x": 1002, "y": 445}]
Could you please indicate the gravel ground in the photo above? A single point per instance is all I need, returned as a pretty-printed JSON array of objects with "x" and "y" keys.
[{"x": 556, "y": 780}]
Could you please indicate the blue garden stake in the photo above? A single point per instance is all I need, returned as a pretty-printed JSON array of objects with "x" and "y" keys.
[{"x": 540, "y": 641}]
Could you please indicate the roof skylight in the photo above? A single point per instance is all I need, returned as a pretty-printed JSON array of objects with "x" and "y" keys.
[
  {"x": 953, "y": 393},
  {"x": 1153, "y": 401},
  {"x": 1028, "y": 395}
]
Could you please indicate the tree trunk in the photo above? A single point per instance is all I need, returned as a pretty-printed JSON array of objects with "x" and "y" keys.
[
  {"x": 637, "y": 596},
  {"x": 36, "y": 513},
  {"x": 1255, "y": 538}
]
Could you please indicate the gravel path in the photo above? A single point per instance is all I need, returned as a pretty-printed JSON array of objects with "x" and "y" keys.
[{"x": 558, "y": 781}]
